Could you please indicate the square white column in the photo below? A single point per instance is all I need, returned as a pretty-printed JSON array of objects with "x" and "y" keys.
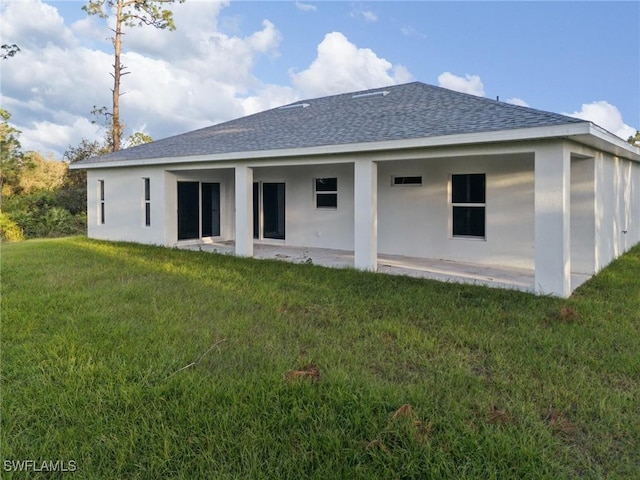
[
  {"x": 244, "y": 211},
  {"x": 552, "y": 220},
  {"x": 365, "y": 215}
]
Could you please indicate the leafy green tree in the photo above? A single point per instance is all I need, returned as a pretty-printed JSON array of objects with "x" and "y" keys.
[
  {"x": 41, "y": 197},
  {"x": 634, "y": 139},
  {"x": 73, "y": 194},
  {"x": 85, "y": 149},
  {"x": 127, "y": 13},
  {"x": 138, "y": 138},
  {"x": 40, "y": 173},
  {"x": 11, "y": 157}
]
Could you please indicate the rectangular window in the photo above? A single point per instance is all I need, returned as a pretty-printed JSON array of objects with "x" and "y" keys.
[
  {"x": 101, "y": 202},
  {"x": 468, "y": 197},
  {"x": 326, "y": 191},
  {"x": 399, "y": 181},
  {"x": 147, "y": 202}
]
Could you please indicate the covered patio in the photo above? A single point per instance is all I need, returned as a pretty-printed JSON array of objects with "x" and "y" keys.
[{"x": 442, "y": 270}]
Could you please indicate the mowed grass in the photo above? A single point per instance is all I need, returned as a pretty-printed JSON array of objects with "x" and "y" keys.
[{"x": 146, "y": 362}]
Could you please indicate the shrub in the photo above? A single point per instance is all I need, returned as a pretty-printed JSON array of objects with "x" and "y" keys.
[
  {"x": 39, "y": 214},
  {"x": 9, "y": 230},
  {"x": 56, "y": 222},
  {"x": 72, "y": 198}
]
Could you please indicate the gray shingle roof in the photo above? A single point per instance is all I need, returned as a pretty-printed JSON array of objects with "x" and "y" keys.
[{"x": 412, "y": 110}]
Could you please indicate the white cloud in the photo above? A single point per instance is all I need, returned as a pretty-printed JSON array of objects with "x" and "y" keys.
[
  {"x": 367, "y": 15},
  {"x": 48, "y": 136},
  {"x": 181, "y": 80},
  {"x": 411, "y": 32},
  {"x": 189, "y": 78},
  {"x": 606, "y": 116},
  {"x": 469, "y": 84},
  {"x": 265, "y": 40},
  {"x": 33, "y": 22},
  {"x": 306, "y": 7},
  {"x": 341, "y": 66},
  {"x": 269, "y": 96},
  {"x": 517, "y": 101}
]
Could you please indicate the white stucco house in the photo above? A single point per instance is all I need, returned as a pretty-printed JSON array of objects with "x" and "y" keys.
[{"x": 412, "y": 170}]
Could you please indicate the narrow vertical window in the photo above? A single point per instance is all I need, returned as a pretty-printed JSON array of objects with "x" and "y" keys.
[
  {"x": 468, "y": 196},
  {"x": 147, "y": 202},
  {"x": 326, "y": 190},
  {"x": 101, "y": 202}
]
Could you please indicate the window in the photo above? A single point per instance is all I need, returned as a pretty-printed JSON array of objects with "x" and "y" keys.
[
  {"x": 468, "y": 201},
  {"x": 399, "y": 181},
  {"x": 326, "y": 193},
  {"x": 147, "y": 202},
  {"x": 101, "y": 202}
]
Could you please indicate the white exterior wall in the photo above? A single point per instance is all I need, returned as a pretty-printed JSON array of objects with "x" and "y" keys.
[
  {"x": 306, "y": 225},
  {"x": 416, "y": 220},
  {"x": 411, "y": 220},
  {"x": 124, "y": 205},
  {"x": 617, "y": 198},
  {"x": 582, "y": 225}
]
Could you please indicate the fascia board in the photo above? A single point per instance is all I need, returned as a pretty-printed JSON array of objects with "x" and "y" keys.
[{"x": 606, "y": 141}]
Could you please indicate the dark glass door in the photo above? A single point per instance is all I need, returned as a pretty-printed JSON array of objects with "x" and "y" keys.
[
  {"x": 273, "y": 208},
  {"x": 188, "y": 210},
  {"x": 210, "y": 209}
]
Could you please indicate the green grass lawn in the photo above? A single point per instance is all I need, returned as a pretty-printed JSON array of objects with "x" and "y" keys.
[{"x": 144, "y": 362}]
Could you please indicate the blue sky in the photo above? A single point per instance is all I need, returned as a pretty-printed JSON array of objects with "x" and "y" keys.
[{"x": 229, "y": 59}]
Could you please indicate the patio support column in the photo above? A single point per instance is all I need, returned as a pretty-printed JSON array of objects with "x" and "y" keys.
[
  {"x": 365, "y": 215},
  {"x": 552, "y": 218},
  {"x": 244, "y": 211}
]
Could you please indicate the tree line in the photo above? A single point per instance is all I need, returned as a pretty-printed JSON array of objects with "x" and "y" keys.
[{"x": 40, "y": 196}]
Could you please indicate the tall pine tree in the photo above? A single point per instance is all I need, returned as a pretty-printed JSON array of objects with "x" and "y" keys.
[{"x": 128, "y": 13}]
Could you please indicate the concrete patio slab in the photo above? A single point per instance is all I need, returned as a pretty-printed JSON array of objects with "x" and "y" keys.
[{"x": 435, "y": 269}]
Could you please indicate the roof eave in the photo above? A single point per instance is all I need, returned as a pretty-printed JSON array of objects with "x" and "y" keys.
[
  {"x": 601, "y": 139},
  {"x": 581, "y": 132}
]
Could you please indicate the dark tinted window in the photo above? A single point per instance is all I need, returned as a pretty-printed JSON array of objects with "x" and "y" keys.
[
  {"x": 326, "y": 184},
  {"x": 468, "y": 221},
  {"x": 326, "y": 192},
  {"x": 468, "y": 188},
  {"x": 327, "y": 200}
]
